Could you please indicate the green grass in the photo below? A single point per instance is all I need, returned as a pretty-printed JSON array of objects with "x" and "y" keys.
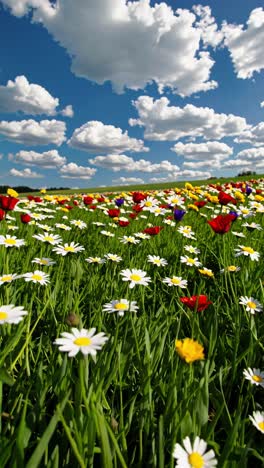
[{"x": 129, "y": 406}]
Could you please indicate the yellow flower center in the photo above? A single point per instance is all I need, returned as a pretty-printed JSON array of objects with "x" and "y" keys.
[
  {"x": 257, "y": 378},
  {"x": 157, "y": 261},
  {"x": 196, "y": 460},
  {"x": 251, "y": 304},
  {"x": 69, "y": 249},
  {"x": 43, "y": 262},
  {"x": 48, "y": 238},
  {"x": 7, "y": 278},
  {"x": 135, "y": 277},
  {"x": 120, "y": 306},
  {"x": 186, "y": 231},
  {"x": 3, "y": 315},
  {"x": 190, "y": 260},
  {"x": 232, "y": 268},
  {"x": 37, "y": 277},
  {"x": 248, "y": 249},
  {"x": 10, "y": 241},
  {"x": 175, "y": 281},
  {"x": 261, "y": 425},
  {"x": 82, "y": 341},
  {"x": 148, "y": 203}
]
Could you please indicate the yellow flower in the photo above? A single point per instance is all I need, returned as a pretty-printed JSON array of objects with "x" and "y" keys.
[
  {"x": 194, "y": 197},
  {"x": 206, "y": 272},
  {"x": 43, "y": 190},
  {"x": 193, "y": 207},
  {"x": 188, "y": 186},
  {"x": 189, "y": 350},
  {"x": 259, "y": 198},
  {"x": 239, "y": 196},
  {"x": 12, "y": 193}
]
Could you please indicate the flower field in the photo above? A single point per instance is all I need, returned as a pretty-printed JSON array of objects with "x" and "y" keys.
[{"x": 131, "y": 328}]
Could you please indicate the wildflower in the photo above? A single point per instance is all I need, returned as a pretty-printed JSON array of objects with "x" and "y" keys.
[
  {"x": 194, "y": 456},
  {"x": 198, "y": 303},
  {"x": 63, "y": 226},
  {"x": 120, "y": 306},
  {"x": 206, "y": 272},
  {"x": 255, "y": 376},
  {"x": 2, "y": 214},
  {"x": 156, "y": 260},
  {"x": 189, "y": 350},
  {"x": 37, "y": 277},
  {"x": 248, "y": 252},
  {"x": 8, "y": 278},
  {"x": 192, "y": 249},
  {"x": 119, "y": 201},
  {"x": 8, "y": 203},
  {"x": 175, "y": 281},
  {"x": 11, "y": 314},
  {"x": 107, "y": 233},
  {"x": 135, "y": 277},
  {"x": 231, "y": 269},
  {"x": 81, "y": 340},
  {"x": 186, "y": 231},
  {"x": 97, "y": 260},
  {"x": 66, "y": 248},
  {"x": 238, "y": 234},
  {"x": 252, "y": 226},
  {"x": 142, "y": 235},
  {"x": 252, "y": 305},
  {"x": 258, "y": 420},
  {"x": 148, "y": 203},
  {"x": 44, "y": 261},
  {"x": 113, "y": 257},
  {"x": 25, "y": 218},
  {"x": 78, "y": 223},
  {"x": 12, "y": 193},
  {"x": 222, "y": 223},
  {"x": 129, "y": 240},
  {"x": 225, "y": 198},
  {"x": 52, "y": 239},
  {"x": 11, "y": 241},
  {"x": 178, "y": 214},
  {"x": 153, "y": 231},
  {"x": 190, "y": 261}
]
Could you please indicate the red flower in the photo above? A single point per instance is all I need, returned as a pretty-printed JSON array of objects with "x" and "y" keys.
[
  {"x": 200, "y": 204},
  {"x": 132, "y": 215},
  {"x": 114, "y": 213},
  {"x": 225, "y": 198},
  {"x": 92, "y": 207},
  {"x": 138, "y": 197},
  {"x": 153, "y": 231},
  {"x": 8, "y": 203},
  {"x": 87, "y": 200},
  {"x": 137, "y": 208},
  {"x": 25, "y": 218},
  {"x": 222, "y": 223},
  {"x": 2, "y": 214},
  {"x": 35, "y": 199},
  {"x": 123, "y": 223},
  {"x": 101, "y": 199},
  {"x": 198, "y": 303},
  {"x": 75, "y": 202}
]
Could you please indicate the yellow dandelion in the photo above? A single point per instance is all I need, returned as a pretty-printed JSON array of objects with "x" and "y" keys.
[{"x": 189, "y": 350}]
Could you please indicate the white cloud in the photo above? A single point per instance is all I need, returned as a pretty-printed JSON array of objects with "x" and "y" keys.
[
  {"x": 25, "y": 173},
  {"x": 31, "y": 132},
  {"x": 254, "y": 135},
  {"x": 245, "y": 44},
  {"x": 164, "y": 122},
  {"x": 135, "y": 43},
  {"x": 203, "y": 151},
  {"x": 213, "y": 164},
  {"x": 73, "y": 171},
  {"x": 47, "y": 159},
  {"x": 262, "y": 104},
  {"x": 209, "y": 30},
  {"x": 95, "y": 137},
  {"x": 128, "y": 180},
  {"x": 185, "y": 174},
  {"x": 21, "y": 96},
  {"x": 118, "y": 162},
  {"x": 247, "y": 157}
]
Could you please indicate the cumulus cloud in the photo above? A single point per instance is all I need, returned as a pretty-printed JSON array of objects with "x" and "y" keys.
[
  {"x": 47, "y": 159},
  {"x": 251, "y": 157},
  {"x": 185, "y": 174},
  {"x": 164, "y": 122},
  {"x": 31, "y": 132},
  {"x": 118, "y": 162},
  {"x": 245, "y": 44},
  {"x": 95, "y": 137},
  {"x": 203, "y": 151},
  {"x": 21, "y": 96},
  {"x": 25, "y": 173},
  {"x": 73, "y": 171},
  {"x": 128, "y": 180},
  {"x": 262, "y": 104},
  {"x": 253, "y": 136},
  {"x": 67, "y": 111},
  {"x": 124, "y": 34}
]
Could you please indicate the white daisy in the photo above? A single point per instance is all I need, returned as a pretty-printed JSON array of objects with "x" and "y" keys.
[
  {"x": 52, "y": 239},
  {"x": 113, "y": 257},
  {"x": 194, "y": 456},
  {"x": 175, "y": 281},
  {"x": 231, "y": 269},
  {"x": 252, "y": 226},
  {"x": 252, "y": 305},
  {"x": 44, "y": 261},
  {"x": 258, "y": 420},
  {"x": 238, "y": 234},
  {"x": 46, "y": 227},
  {"x": 120, "y": 306},
  {"x": 107, "y": 233},
  {"x": 129, "y": 240},
  {"x": 256, "y": 376},
  {"x": 156, "y": 260},
  {"x": 191, "y": 249},
  {"x": 63, "y": 226},
  {"x": 142, "y": 235},
  {"x": 169, "y": 222},
  {"x": 81, "y": 340},
  {"x": 97, "y": 260},
  {"x": 37, "y": 277},
  {"x": 78, "y": 223},
  {"x": 248, "y": 252},
  {"x": 11, "y": 241},
  {"x": 135, "y": 277},
  {"x": 8, "y": 278},
  {"x": 68, "y": 248},
  {"x": 190, "y": 261},
  {"x": 186, "y": 231},
  {"x": 11, "y": 314}
]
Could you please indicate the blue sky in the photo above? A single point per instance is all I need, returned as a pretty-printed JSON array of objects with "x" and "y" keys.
[{"x": 106, "y": 92}]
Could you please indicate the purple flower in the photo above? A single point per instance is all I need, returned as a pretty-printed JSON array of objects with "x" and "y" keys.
[
  {"x": 178, "y": 214},
  {"x": 119, "y": 201},
  {"x": 248, "y": 190}
]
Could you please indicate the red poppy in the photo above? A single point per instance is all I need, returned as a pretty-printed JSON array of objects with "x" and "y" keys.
[
  {"x": 2, "y": 214},
  {"x": 123, "y": 223},
  {"x": 132, "y": 215},
  {"x": 114, "y": 213},
  {"x": 101, "y": 199},
  {"x": 138, "y": 197},
  {"x": 25, "y": 218},
  {"x": 75, "y": 202},
  {"x": 35, "y": 199},
  {"x": 137, "y": 208},
  {"x": 222, "y": 223},
  {"x": 225, "y": 198},
  {"x": 88, "y": 200},
  {"x": 8, "y": 203},
  {"x": 153, "y": 231},
  {"x": 198, "y": 303},
  {"x": 92, "y": 207},
  {"x": 200, "y": 204}
]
